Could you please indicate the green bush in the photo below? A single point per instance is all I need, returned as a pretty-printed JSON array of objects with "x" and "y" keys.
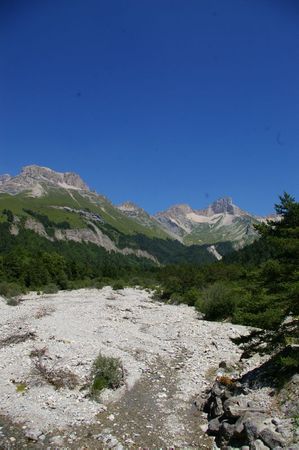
[
  {"x": 107, "y": 372},
  {"x": 176, "y": 298},
  {"x": 10, "y": 290},
  {"x": 119, "y": 284},
  {"x": 191, "y": 296},
  {"x": 217, "y": 302},
  {"x": 50, "y": 288}
]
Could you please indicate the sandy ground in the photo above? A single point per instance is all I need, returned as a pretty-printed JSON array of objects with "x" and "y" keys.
[{"x": 168, "y": 354}]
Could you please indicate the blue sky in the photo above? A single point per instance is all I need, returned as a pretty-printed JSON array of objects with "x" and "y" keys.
[{"x": 157, "y": 101}]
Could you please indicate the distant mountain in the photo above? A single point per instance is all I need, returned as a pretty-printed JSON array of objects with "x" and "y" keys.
[
  {"x": 61, "y": 207},
  {"x": 139, "y": 215},
  {"x": 222, "y": 221},
  {"x": 33, "y": 179}
]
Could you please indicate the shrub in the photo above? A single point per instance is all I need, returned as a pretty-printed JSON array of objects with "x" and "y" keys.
[
  {"x": 10, "y": 290},
  {"x": 107, "y": 372},
  {"x": 176, "y": 298},
  {"x": 50, "y": 288},
  {"x": 191, "y": 296},
  {"x": 14, "y": 301},
  {"x": 118, "y": 285},
  {"x": 217, "y": 301}
]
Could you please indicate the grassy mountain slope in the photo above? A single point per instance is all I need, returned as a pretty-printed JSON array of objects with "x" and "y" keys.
[{"x": 240, "y": 232}]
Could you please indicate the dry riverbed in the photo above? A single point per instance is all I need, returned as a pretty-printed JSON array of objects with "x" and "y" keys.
[{"x": 168, "y": 354}]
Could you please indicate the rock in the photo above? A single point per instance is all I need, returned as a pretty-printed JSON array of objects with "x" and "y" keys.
[
  {"x": 217, "y": 408},
  {"x": 258, "y": 445},
  {"x": 239, "y": 425},
  {"x": 251, "y": 430},
  {"x": 217, "y": 390},
  {"x": 227, "y": 431},
  {"x": 222, "y": 365},
  {"x": 57, "y": 440},
  {"x": 234, "y": 407},
  {"x": 199, "y": 403},
  {"x": 271, "y": 438},
  {"x": 33, "y": 435},
  {"x": 276, "y": 421},
  {"x": 226, "y": 394},
  {"x": 214, "y": 426},
  {"x": 204, "y": 428}
]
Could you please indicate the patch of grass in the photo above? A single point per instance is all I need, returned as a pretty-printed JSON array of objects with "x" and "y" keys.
[
  {"x": 21, "y": 387},
  {"x": 107, "y": 372}
]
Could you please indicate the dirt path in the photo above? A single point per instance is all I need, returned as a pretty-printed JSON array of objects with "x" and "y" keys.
[
  {"x": 166, "y": 352},
  {"x": 150, "y": 415}
]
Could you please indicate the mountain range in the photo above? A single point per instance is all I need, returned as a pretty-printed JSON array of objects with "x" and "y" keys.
[{"x": 60, "y": 206}]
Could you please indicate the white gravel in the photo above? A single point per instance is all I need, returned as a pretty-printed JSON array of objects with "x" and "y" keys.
[{"x": 75, "y": 326}]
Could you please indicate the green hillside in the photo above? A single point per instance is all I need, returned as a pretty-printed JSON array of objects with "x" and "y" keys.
[{"x": 52, "y": 203}]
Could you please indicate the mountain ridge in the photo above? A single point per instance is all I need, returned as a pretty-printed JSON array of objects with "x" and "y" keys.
[{"x": 67, "y": 192}]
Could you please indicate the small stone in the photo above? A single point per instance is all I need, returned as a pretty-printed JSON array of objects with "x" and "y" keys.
[
  {"x": 57, "y": 440},
  {"x": 111, "y": 417},
  {"x": 33, "y": 435},
  {"x": 276, "y": 421},
  {"x": 162, "y": 395}
]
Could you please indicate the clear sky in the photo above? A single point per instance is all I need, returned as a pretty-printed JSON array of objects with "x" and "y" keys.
[{"x": 156, "y": 101}]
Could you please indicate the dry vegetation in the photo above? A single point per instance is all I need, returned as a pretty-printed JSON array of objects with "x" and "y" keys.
[{"x": 57, "y": 377}]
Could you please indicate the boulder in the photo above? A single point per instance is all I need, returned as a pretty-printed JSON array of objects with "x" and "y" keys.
[
  {"x": 258, "y": 445},
  {"x": 213, "y": 427},
  {"x": 271, "y": 438},
  {"x": 234, "y": 407}
]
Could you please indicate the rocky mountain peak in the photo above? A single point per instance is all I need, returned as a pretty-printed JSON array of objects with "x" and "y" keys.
[
  {"x": 223, "y": 205},
  {"x": 129, "y": 207},
  {"x": 180, "y": 209},
  {"x": 35, "y": 179},
  {"x": 46, "y": 175}
]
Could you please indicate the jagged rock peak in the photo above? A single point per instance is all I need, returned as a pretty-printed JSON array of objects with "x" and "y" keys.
[
  {"x": 44, "y": 174},
  {"x": 129, "y": 206},
  {"x": 223, "y": 205}
]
